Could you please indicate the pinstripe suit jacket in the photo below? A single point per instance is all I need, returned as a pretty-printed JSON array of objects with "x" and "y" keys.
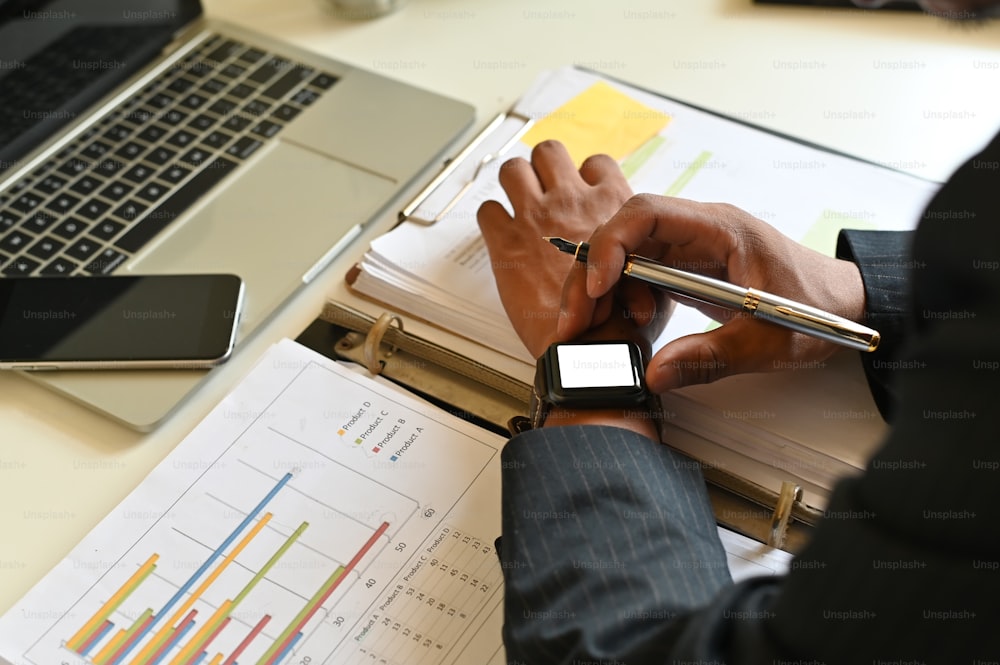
[{"x": 609, "y": 549}]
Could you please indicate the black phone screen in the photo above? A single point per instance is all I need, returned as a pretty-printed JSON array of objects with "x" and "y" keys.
[{"x": 155, "y": 318}]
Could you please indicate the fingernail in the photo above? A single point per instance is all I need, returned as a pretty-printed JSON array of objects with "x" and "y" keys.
[{"x": 593, "y": 282}]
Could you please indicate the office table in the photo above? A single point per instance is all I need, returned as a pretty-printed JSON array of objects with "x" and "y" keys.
[{"x": 898, "y": 88}]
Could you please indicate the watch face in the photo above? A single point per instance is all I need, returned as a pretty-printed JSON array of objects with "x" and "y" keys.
[
  {"x": 595, "y": 365},
  {"x": 594, "y": 374}
]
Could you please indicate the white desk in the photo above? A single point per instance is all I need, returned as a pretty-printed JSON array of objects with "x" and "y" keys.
[{"x": 901, "y": 89}]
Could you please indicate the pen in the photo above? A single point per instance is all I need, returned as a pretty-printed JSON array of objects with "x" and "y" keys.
[{"x": 759, "y": 304}]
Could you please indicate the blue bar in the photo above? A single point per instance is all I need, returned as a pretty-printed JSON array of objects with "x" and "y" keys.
[
  {"x": 172, "y": 642},
  {"x": 100, "y": 636},
  {"x": 208, "y": 562},
  {"x": 287, "y": 650}
]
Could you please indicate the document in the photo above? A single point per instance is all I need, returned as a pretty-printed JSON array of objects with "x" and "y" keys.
[
  {"x": 316, "y": 515},
  {"x": 440, "y": 273}
]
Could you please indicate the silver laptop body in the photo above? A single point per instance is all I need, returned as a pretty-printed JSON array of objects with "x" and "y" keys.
[{"x": 292, "y": 202}]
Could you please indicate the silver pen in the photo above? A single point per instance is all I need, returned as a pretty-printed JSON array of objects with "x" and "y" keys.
[{"x": 759, "y": 304}]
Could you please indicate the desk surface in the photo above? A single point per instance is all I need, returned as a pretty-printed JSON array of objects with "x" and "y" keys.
[{"x": 901, "y": 89}]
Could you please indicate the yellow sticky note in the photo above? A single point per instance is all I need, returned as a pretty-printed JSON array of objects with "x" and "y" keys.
[{"x": 599, "y": 120}]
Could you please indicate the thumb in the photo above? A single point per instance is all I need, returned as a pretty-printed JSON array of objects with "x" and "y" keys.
[{"x": 699, "y": 358}]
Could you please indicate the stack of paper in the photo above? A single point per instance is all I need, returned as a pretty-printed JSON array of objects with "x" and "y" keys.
[{"x": 440, "y": 272}]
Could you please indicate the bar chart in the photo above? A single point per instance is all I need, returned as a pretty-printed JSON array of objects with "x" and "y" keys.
[{"x": 329, "y": 519}]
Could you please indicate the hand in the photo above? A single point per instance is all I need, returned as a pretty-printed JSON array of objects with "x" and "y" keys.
[
  {"x": 550, "y": 197},
  {"x": 727, "y": 243}
]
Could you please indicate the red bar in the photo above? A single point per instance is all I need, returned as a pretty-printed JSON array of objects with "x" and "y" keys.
[
  {"x": 93, "y": 638},
  {"x": 247, "y": 640},
  {"x": 204, "y": 647},
  {"x": 166, "y": 643},
  {"x": 124, "y": 648},
  {"x": 347, "y": 569}
]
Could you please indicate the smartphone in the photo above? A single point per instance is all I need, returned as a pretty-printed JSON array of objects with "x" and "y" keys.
[{"x": 147, "y": 321}]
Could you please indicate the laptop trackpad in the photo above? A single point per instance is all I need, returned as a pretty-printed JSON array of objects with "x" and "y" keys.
[{"x": 271, "y": 224}]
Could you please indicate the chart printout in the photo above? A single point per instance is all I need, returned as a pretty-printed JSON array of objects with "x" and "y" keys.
[{"x": 315, "y": 516}]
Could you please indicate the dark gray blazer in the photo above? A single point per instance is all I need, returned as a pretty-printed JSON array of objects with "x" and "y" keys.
[{"x": 609, "y": 547}]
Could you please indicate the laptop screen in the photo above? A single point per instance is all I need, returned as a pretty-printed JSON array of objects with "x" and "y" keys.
[{"x": 59, "y": 56}]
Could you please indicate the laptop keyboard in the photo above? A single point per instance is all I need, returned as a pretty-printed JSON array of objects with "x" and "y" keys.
[{"x": 116, "y": 186}]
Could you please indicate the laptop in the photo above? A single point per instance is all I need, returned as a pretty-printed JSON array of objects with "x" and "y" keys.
[{"x": 140, "y": 137}]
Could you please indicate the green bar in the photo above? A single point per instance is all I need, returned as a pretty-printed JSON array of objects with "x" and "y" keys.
[
  {"x": 637, "y": 159},
  {"x": 128, "y": 634},
  {"x": 270, "y": 563},
  {"x": 298, "y": 617},
  {"x": 689, "y": 173}
]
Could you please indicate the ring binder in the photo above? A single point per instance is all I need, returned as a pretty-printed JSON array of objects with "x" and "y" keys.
[{"x": 373, "y": 341}]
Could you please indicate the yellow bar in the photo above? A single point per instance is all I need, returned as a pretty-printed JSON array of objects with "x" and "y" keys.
[
  {"x": 112, "y": 603},
  {"x": 216, "y": 660},
  {"x": 195, "y": 643},
  {"x": 121, "y": 638},
  {"x": 110, "y": 647},
  {"x": 162, "y": 634}
]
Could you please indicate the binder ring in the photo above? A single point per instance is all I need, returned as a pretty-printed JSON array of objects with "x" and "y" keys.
[
  {"x": 790, "y": 493},
  {"x": 373, "y": 340}
]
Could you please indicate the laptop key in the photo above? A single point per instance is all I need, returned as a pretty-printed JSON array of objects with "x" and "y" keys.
[
  {"x": 69, "y": 228},
  {"x": 38, "y": 223},
  {"x": 160, "y": 156},
  {"x": 26, "y": 202},
  {"x": 86, "y": 185},
  {"x": 323, "y": 81},
  {"x": 107, "y": 229},
  {"x": 222, "y": 53},
  {"x": 266, "y": 128},
  {"x": 129, "y": 211},
  {"x": 174, "y": 174},
  {"x": 105, "y": 262},
  {"x": 286, "y": 112},
  {"x": 83, "y": 249},
  {"x": 45, "y": 248},
  {"x": 175, "y": 205},
  {"x": 269, "y": 70},
  {"x": 152, "y": 134},
  {"x": 216, "y": 139},
  {"x": 288, "y": 82},
  {"x": 8, "y": 219},
  {"x": 62, "y": 203},
  {"x": 244, "y": 147},
  {"x": 251, "y": 55},
  {"x": 138, "y": 173},
  {"x": 116, "y": 191},
  {"x": 241, "y": 91},
  {"x": 151, "y": 192},
  {"x": 93, "y": 209},
  {"x": 51, "y": 184},
  {"x": 58, "y": 267},
  {"x": 20, "y": 266},
  {"x": 14, "y": 241}
]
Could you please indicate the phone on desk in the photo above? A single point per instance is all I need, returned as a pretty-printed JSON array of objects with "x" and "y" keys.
[{"x": 148, "y": 321}]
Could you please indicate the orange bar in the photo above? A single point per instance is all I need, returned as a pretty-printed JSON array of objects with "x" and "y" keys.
[
  {"x": 112, "y": 603},
  {"x": 143, "y": 656}
]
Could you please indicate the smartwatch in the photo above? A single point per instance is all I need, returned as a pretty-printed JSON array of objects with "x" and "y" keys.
[{"x": 588, "y": 375}]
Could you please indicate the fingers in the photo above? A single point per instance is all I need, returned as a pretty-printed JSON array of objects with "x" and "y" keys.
[
  {"x": 552, "y": 164},
  {"x": 736, "y": 347},
  {"x": 494, "y": 223},
  {"x": 674, "y": 224},
  {"x": 600, "y": 169},
  {"x": 519, "y": 181}
]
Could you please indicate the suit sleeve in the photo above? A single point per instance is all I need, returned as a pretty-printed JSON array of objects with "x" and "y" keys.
[
  {"x": 883, "y": 259},
  {"x": 610, "y": 552}
]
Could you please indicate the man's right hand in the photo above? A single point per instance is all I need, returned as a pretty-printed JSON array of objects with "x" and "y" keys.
[{"x": 727, "y": 243}]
